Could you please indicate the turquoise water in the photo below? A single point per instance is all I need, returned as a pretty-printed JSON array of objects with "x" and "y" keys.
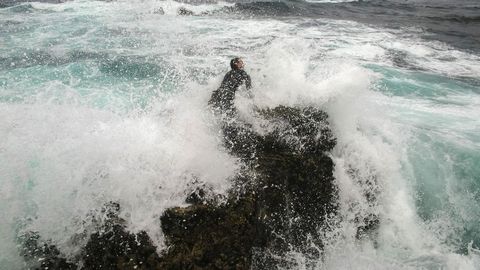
[
  {"x": 106, "y": 100},
  {"x": 444, "y": 148}
]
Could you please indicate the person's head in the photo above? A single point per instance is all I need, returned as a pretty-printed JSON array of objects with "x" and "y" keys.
[{"x": 237, "y": 63}]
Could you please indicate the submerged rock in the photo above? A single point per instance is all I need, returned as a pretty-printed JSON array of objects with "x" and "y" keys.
[
  {"x": 184, "y": 12},
  {"x": 116, "y": 248},
  {"x": 113, "y": 247},
  {"x": 159, "y": 11},
  {"x": 42, "y": 255}
]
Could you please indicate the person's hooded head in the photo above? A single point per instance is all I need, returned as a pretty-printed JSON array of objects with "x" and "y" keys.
[{"x": 237, "y": 63}]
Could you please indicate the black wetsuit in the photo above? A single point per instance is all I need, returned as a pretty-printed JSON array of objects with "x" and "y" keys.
[
  {"x": 223, "y": 97},
  {"x": 238, "y": 134}
]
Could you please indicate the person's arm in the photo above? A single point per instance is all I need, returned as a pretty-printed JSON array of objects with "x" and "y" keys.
[
  {"x": 248, "y": 82},
  {"x": 226, "y": 80},
  {"x": 246, "y": 78}
]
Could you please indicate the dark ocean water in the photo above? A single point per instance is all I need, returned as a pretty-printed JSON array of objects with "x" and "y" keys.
[{"x": 454, "y": 22}]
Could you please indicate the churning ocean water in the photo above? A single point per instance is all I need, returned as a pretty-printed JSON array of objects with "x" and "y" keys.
[{"x": 106, "y": 101}]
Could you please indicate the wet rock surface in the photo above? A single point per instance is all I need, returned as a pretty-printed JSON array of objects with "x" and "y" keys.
[
  {"x": 184, "y": 12},
  {"x": 283, "y": 208},
  {"x": 113, "y": 247},
  {"x": 280, "y": 205},
  {"x": 206, "y": 237},
  {"x": 117, "y": 248},
  {"x": 42, "y": 255}
]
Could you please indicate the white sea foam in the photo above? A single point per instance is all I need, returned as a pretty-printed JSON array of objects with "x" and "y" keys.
[
  {"x": 62, "y": 162},
  {"x": 374, "y": 145}
]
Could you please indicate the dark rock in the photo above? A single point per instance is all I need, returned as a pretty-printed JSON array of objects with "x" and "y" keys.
[
  {"x": 113, "y": 247},
  {"x": 302, "y": 131},
  {"x": 116, "y": 248},
  {"x": 241, "y": 141},
  {"x": 368, "y": 224},
  {"x": 205, "y": 237},
  {"x": 283, "y": 208},
  {"x": 184, "y": 12},
  {"x": 159, "y": 11},
  {"x": 42, "y": 255},
  {"x": 279, "y": 203},
  {"x": 296, "y": 190},
  {"x": 203, "y": 195}
]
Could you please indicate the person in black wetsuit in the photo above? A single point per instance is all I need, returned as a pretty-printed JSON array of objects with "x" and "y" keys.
[
  {"x": 223, "y": 98},
  {"x": 238, "y": 135}
]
